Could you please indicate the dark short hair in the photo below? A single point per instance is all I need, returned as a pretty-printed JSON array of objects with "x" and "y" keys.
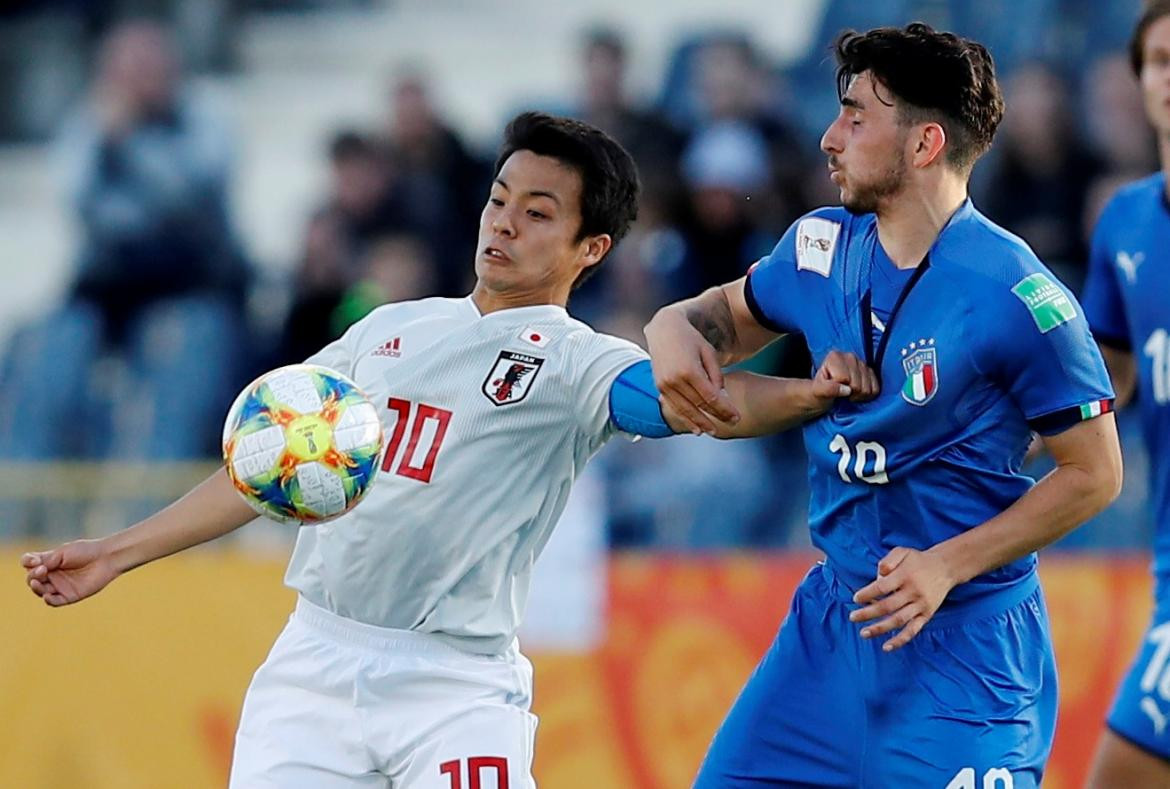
[
  {"x": 935, "y": 76},
  {"x": 349, "y": 144},
  {"x": 607, "y": 39},
  {"x": 609, "y": 179},
  {"x": 1153, "y": 11}
]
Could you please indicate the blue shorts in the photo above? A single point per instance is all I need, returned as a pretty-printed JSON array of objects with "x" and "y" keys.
[
  {"x": 970, "y": 702},
  {"x": 1141, "y": 711}
]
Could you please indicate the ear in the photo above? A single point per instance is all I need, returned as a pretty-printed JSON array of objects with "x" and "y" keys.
[
  {"x": 593, "y": 249},
  {"x": 928, "y": 145}
]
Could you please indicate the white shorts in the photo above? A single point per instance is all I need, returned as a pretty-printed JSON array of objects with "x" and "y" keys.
[{"x": 339, "y": 703}]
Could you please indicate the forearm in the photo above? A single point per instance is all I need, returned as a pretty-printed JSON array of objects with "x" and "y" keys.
[
  {"x": 210, "y": 510},
  {"x": 1061, "y": 501},
  {"x": 769, "y": 405},
  {"x": 710, "y": 315}
]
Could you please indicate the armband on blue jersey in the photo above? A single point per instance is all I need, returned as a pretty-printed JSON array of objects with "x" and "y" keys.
[
  {"x": 1059, "y": 421},
  {"x": 633, "y": 403}
]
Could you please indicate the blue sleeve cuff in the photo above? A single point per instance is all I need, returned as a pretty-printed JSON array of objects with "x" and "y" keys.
[
  {"x": 1058, "y": 421},
  {"x": 633, "y": 403},
  {"x": 749, "y": 295}
]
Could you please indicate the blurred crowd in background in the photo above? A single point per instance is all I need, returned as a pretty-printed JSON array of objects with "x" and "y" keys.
[{"x": 162, "y": 296}]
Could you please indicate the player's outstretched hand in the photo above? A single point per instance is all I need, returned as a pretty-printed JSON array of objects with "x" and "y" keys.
[
  {"x": 687, "y": 373},
  {"x": 910, "y": 587},
  {"x": 68, "y": 573},
  {"x": 845, "y": 369}
]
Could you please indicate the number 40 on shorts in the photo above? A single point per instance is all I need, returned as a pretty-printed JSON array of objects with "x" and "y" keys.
[{"x": 995, "y": 778}]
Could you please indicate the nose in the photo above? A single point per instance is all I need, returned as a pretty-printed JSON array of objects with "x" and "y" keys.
[
  {"x": 502, "y": 224},
  {"x": 831, "y": 140}
]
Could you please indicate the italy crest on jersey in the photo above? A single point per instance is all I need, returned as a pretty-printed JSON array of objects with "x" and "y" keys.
[
  {"x": 511, "y": 377},
  {"x": 920, "y": 361}
]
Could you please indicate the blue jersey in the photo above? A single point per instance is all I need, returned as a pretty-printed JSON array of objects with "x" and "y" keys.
[
  {"x": 1127, "y": 302},
  {"x": 981, "y": 346}
]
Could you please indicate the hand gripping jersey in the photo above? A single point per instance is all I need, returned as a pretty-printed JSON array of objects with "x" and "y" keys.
[
  {"x": 488, "y": 419},
  {"x": 981, "y": 346},
  {"x": 1127, "y": 302}
]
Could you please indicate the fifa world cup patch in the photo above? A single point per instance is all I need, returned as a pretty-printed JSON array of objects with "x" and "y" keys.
[
  {"x": 920, "y": 361},
  {"x": 1045, "y": 300},
  {"x": 816, "y": 239},
  {"x": 511, "y": 377}
]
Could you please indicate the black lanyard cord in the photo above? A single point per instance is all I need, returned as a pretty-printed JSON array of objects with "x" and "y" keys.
[{"x": 874, "y": 360}]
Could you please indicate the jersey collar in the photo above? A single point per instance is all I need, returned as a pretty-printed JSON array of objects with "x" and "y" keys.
[
  {"x": 530, "y": 312},
  {"x": 963, "y": 214}
]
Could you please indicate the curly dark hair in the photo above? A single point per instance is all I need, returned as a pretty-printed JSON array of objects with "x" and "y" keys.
[
  {"x": 609, "y": 179},
  {"x": 1153, "y": 11},
  {"x": 934, "y": 76}
]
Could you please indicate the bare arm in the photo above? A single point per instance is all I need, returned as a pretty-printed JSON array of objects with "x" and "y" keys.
[
  {"x": 1122, "y": 372},
  {"x": 691, "y": 341},
  {"x": 721, "y": 315},
  {"x": 766, "y": 405},
  {"x": 79, "y": 569},
  {"x": 1086, "y": 479},
  {"x": 911, "y": 584},
  {"x": 211, "y": 509},
  {"x": 769, "y": 405}
]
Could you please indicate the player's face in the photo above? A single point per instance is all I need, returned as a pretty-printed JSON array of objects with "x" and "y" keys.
[
  {"x": 866, "y": 146},
  {"x": 528, "y": 230},
  {"x": 1155, "y": 76}
]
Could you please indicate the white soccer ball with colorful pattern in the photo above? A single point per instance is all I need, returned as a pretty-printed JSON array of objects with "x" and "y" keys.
[{"x": 302, "y": 444}]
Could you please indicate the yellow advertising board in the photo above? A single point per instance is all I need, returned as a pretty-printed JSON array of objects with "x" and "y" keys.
[{"x": 141, "y": 686}]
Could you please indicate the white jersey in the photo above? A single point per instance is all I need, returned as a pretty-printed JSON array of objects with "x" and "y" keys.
[{"x": 488, "y": 420}]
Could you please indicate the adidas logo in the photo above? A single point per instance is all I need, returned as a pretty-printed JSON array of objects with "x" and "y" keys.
[{"x": 389, "y": 348}]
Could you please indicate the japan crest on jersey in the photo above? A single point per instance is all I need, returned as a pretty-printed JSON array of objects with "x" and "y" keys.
[
  {"x": 920, "y": 361},
  {"x": 511, "y": 377}
]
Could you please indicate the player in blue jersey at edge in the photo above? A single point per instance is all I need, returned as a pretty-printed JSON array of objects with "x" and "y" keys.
[
  {"x": 1126, "y": 304},
  {"x": 918, "y": 653}
]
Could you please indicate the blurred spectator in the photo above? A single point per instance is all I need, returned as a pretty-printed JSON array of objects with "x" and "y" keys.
[
  {"x": 731, "y": 83},
  {"x": 1117, "y": 127},
  {"x": 323, "y": 273},
  {"x": 363, "y": 196},
  {"x": 1116, "y": 119},
  {"x": 650, "y": 139},
  {"x": 445, "y": 185},
  {"x": 724, "y": 167},
  {"x": 396, "y": 268},
  {"x": 160, "y": 280},
  {"x": 1041, "y": 176},
  {"x": 363, "y": 203},
  {"x": 654, "y": 143},
  {"x": 736, "y": 86}
]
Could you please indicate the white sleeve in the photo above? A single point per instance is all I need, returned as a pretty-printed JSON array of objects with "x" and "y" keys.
[{"x": 599, "y": 359}]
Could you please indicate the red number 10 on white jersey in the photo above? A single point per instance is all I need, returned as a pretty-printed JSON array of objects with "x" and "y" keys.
[{"x": 427, "y": 426}]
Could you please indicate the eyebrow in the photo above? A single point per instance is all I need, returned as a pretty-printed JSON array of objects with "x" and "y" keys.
[
  {"x": 850, "y": 102},
  {"x": 533, "y": 193}
]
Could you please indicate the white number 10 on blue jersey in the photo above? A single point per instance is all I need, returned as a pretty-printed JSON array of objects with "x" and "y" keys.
[{"x": 874, "y": 474}]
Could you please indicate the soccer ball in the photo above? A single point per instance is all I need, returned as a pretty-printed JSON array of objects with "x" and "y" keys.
[{"x": 302, "y": 444}]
